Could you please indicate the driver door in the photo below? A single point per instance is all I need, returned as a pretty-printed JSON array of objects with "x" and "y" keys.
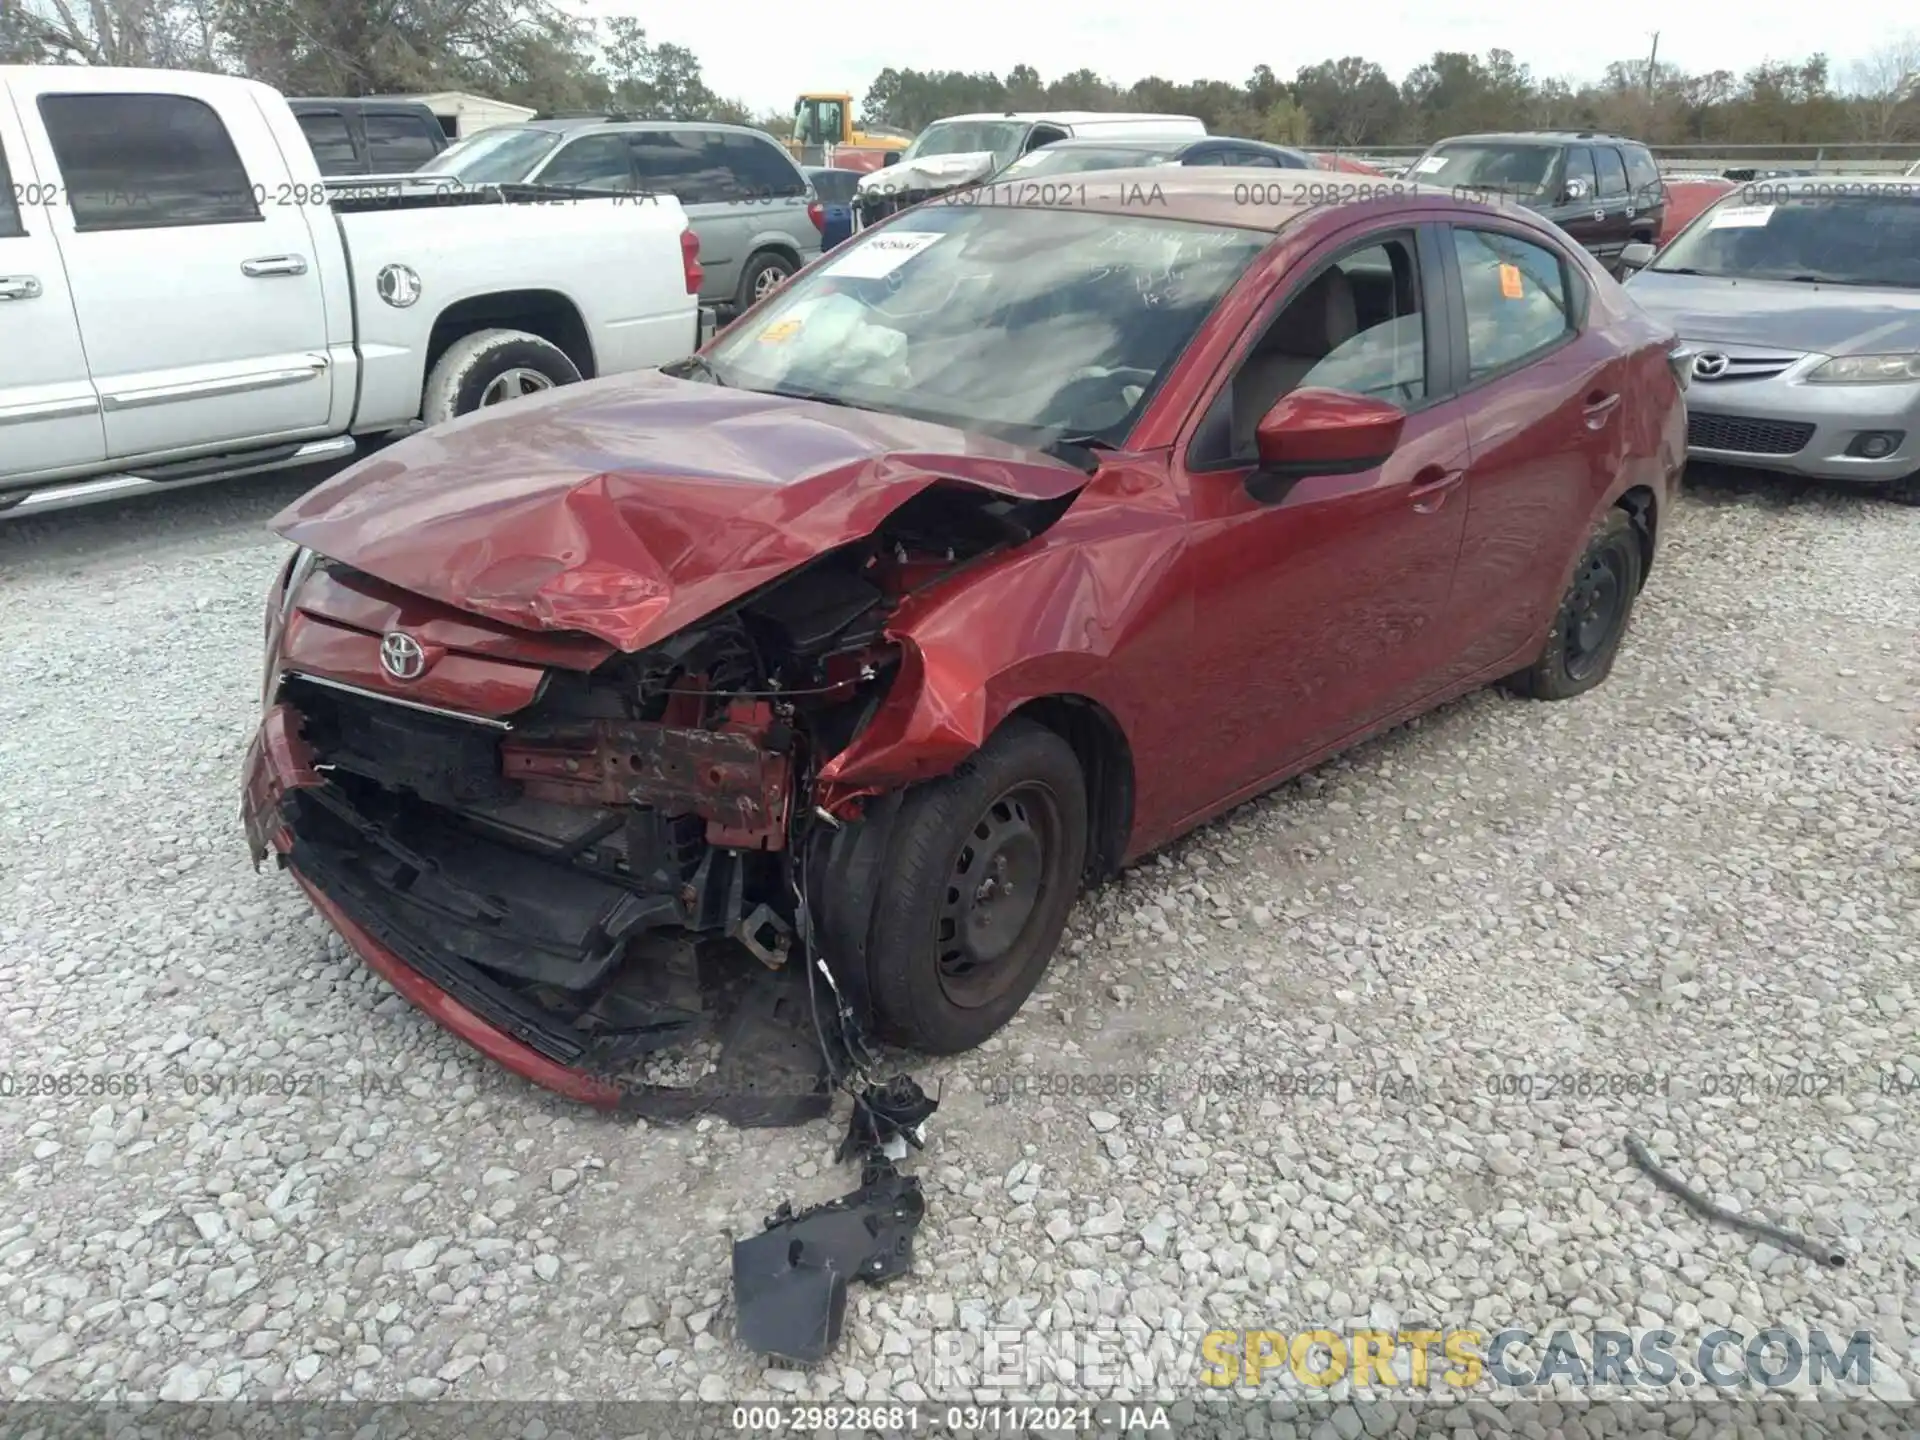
[{"x": 1323, "y": 613}]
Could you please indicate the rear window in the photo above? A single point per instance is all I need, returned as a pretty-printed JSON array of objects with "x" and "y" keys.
[
  {"x": 1511, "y": 169},
  {"x": 835, "y": 187},
  {"x": 1864, "y": 236}
]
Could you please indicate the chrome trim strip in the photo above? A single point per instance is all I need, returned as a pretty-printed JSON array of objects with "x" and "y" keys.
[
  {"x": 49, "y": 410},
  {"x": 395, "y": 700},
  {"x": 208, "y": 389}
]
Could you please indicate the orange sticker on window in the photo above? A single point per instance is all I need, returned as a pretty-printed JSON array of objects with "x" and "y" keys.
[
  {"x": 785, "y": 330},
  {"x": 1510, "y": 281}
]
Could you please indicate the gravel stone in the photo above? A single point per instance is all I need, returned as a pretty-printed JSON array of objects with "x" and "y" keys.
[{"x": 1315, "y": 1014}]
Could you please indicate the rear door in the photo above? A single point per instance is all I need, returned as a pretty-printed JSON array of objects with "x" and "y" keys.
[
  {"x": 693, "y": 166},
  {"x": 401, "y": 141},
  {"x": 330, "y": 138},
  {"x": 1543, "y": 399},
  {"x": 191, "y": 264},
  {"x": 49, "y": 412},
  {"x": 1616, "y": 204}
]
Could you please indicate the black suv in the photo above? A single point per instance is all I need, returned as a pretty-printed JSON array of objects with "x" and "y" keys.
[
  {"x": 371, "y": 135},
  {"x": 1603, "y": 190}
]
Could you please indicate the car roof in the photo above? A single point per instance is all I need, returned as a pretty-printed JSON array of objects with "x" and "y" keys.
[
  {"x": 1538, "y": 137},
  {"x": 1064, "y": 117},
  {"x": 1221, "y": 195},
  {"x": 591, "y": 122}
]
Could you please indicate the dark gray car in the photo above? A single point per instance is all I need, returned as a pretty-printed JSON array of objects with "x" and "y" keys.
[{"x": 756, "y": 215}]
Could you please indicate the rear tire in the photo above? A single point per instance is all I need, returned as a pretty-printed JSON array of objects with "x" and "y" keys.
[
  {"x": 1592, "y": 616},
  {"x": 982, "y": 871},
  {"x": 478, "y": 370},
  {"x": 765, "y": 273}
]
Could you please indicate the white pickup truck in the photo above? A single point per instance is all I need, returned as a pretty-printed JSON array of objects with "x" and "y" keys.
[{"x": 183, "y": 298}]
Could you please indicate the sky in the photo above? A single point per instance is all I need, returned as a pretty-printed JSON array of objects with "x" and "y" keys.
[{"x": 765, "y": 52}]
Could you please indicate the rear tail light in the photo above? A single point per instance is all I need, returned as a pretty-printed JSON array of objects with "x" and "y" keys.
[
  {"x": 817, "y": 213},
  {"x": 690, "y": 260}
]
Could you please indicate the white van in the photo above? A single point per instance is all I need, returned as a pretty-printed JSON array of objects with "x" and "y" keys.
[{"x": 964, "y": 148}]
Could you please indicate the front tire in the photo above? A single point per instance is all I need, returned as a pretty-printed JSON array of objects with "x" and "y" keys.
[
  {"x": 983, "y": 868},
  {"x": 1592, "y": 617},
  {"x": 491, "y": 367}
]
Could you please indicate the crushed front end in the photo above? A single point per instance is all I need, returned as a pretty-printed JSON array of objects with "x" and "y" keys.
[{"x": 594, "y": 865}]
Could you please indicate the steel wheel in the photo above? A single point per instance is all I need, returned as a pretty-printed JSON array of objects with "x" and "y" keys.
[
  {"x": 1594, "y": 611},
  {"x": 513, "y": 385},
  {"x": 1007, "y": 865}
]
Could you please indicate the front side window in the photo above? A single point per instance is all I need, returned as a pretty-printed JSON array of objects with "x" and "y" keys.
[
  {"x": 142, "y": 162},
  {"x": 10, "y": 225},
  {"x": 593, "y": 162},
  {"x": 1356, "y": 326},
  {"x": 1031, "y": 323},
  {"x": 1779, "y": 232},
  {"x": 1580, "y": 167},
  {"x": 1516, "y": 299}
]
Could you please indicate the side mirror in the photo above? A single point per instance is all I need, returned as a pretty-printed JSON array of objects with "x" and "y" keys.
[
  {"x": 892, "y": 157},
  {"x": 1578, "y": 190},
  {"x": 1637, "y": 256},
  {"x": 1321, "y": 432}
]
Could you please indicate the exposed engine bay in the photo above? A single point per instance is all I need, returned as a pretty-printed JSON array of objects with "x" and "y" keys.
[{"x": 634, "y": 864}]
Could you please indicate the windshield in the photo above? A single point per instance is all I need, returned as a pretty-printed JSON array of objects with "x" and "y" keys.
[
  {"x": 493, "y": 157},
  {"x": 1049, "y": 161},
  {"x": 1511, "y": 169},
  {"x": 1866, "y": 238},
  {"x": 1033, "y": 324},
  {"x": 962, "y": 137}
]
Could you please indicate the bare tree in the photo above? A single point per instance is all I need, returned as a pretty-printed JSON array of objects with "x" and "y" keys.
[
  {"x": 177, "y": 34},
  {"x": 1886, "y": 89}
]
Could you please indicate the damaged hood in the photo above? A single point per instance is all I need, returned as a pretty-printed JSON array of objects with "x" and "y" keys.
[
  {"x": 931, "y": 172},
  {"x": 626, "y": 509}
]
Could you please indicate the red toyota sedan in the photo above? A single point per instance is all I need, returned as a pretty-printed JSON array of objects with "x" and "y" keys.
[{"x": 790, "y": 695}]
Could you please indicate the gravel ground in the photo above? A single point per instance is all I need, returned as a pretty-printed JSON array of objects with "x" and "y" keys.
[{"x": 1288, "y": 1033}]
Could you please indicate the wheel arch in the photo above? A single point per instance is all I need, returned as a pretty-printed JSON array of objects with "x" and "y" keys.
[
  {"x": 547, "y": 313},
  {"x": 1106, "y": 761}
]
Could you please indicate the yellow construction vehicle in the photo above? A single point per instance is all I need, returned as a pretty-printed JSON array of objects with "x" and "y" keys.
[{"x": 824, "y": 134}]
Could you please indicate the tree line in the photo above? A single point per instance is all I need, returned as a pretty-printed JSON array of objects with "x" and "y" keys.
[{"x": 539, "y": 53}]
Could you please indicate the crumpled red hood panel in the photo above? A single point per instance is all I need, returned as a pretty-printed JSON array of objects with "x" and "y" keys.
[{"x": 628, "y": 508}]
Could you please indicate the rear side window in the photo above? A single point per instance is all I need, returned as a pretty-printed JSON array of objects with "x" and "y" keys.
[
  {"x": 400, "y": 142},
  {"x": 1642, "y": 174},
  {"x": 1580, "y": 167},
  {"x": 10, "y": 225},
  {"x": 331, "y": 141},
  {"x": 835, "y": 187},
  {"x": 690, "y": 165},
  {"x": 1613, "y": 174},
  {"x": 144, "y": 162},
  {"x": 762, "y": 170},
  {"x": 1516, "y": 299}
]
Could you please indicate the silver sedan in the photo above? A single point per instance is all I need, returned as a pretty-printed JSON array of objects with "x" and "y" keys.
[{"x": 1800, "y": 302}]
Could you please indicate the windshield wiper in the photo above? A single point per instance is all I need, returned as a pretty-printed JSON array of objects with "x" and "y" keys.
[
  {"x": 691, "y": 365},
  {"x": 1080, "y": 451}
]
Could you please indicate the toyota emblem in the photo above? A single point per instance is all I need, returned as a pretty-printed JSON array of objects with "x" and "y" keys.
[
  {"x": 1709, "y": 366},
  {"x": 401, "y": 657}
]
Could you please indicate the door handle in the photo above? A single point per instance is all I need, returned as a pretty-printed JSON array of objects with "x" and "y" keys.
[
  {"x": 274, "y": 265},
  {"x": 19, "y": 287},
  {"x": 1599, "y": 407},
  {"x": 1431, "y": 486}
]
